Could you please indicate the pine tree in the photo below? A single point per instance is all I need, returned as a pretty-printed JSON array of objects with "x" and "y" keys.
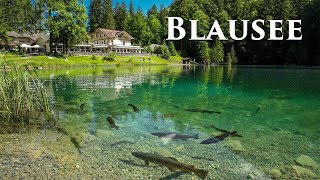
[
  {"x": 108, "y": 19},
  {"x": 155, "y": 28},
  {"x": 131, "y": 9},
  {"x": 231, "y": 56},
  {"x": 217, "y": 53},
  {"x": 172, "y": 49},
  {"x": 204, "y": 51},
  {"x": 120, "y": 13},
  {"x": 153, "y": 11},
  {"x": 165, "y": 51},
  {"x": 95, "y": 15}
]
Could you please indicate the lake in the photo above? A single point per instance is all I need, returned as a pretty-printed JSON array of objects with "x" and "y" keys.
[{"x": 274, "y": 110}]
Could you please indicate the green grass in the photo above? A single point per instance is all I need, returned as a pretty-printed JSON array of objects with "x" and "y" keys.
[{"x": 70, "y": 61}]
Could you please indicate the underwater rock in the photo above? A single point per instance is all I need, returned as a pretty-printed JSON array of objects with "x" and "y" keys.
[
  {"x": 250, "y": 177},
  {"x": 235, "y": 145},
  {"x": 305, "y": 160},
  {"x": 275, "y": 173},
  {"x": 179, "y": 148},
  {"x": 104, "y": 133},
  {"x": 300, "y": 171}
]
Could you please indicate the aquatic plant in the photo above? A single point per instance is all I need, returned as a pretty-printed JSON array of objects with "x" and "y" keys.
[{"x": 22, "y": 97}]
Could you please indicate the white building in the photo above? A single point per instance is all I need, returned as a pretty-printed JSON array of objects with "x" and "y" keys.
[{"x": 105, "y": 40}]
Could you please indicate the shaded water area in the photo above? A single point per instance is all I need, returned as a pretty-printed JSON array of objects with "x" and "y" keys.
[{"x": 275, "y": 110}]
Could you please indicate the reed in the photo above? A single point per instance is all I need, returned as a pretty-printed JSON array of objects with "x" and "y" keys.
[{"x": 23, "y": 98}]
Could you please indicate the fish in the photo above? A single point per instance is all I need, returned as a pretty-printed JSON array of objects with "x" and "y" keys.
[
  {"x": 82, "y": 106},
  {"x": 217, "y": 139},
  {"x": 203, "y": 111},
  {"x": 225, "y": 135},
  {"x": 280, "y": 98},
  {"x": 210, "y": 141},
  {"x": 168, "y": 115},
  {"x": 111, "y": 122},
  {"x": 135, "y": 109},
  {"x": 176, "y": 136},
  {"x": 76, "y": 144},
  {"x": 221, "y": 130},
  {"x": 225, "y": 132},
  {"x": 171, "y": 163}
]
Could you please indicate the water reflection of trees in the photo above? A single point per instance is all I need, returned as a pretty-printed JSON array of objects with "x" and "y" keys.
[{"x": 160, "y": 90}]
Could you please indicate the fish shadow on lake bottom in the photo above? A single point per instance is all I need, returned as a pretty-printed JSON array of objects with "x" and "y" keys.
[
  {"x": 173, "y": 176},
  {"x": 170, "y": 176},
  {"x": 131, "y": 163}
]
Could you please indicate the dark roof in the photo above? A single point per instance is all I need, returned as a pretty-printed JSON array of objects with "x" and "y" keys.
[
  {"x": 12, "y": 34},
  {"x": 114, "y": 33},
  {"x": 34, "y": 37}
]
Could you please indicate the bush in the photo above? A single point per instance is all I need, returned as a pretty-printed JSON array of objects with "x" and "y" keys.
[
  {"x": 94, "y": 57},
  {"x": 148, "y": 49},
  {"x": 158, "y": 50},
  {"x": 111, "y": 57}
]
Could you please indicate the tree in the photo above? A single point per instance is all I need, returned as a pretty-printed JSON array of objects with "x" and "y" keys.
[
  {"x": 108, "y": 19},
  {"x": 95, "y": 15},
  {"x": 163, "y": 14},
  {"x": 204, "y": 51},
  {"x": 231, "y": 56},
  {"x": 172, "y": 49},
  {"x": 153, "y": 11},
  {"x": 3, "y": 27},
  {"x": 120, "y": 13},
  {"x": 217, "y": 53},
  {"x": 139, "y": 28},
  {"x": 17, "y": 14},
  {"x": 67, "y": 25},
  {"x": 155, "y": 28},
  {"x": 38, "y": 18},
  {"x": 165, "y": 51},
  {"x": 131, "y": 9}
]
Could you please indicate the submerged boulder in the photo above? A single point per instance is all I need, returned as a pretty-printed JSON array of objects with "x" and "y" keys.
[
  {"x": 305, "y": 160},
  {"x": 300, "y": 171},
  {"x": 235, "y": 145},
  {"x": 275, "y": 173}
]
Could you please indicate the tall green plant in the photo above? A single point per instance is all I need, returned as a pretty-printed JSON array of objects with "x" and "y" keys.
[{"x": 22, "y": 97}]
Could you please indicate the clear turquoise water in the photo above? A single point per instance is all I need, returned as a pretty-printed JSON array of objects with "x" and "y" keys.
[{"x": 275, "y": 131}]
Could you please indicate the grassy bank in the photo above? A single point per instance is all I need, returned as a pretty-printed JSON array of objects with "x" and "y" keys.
[{"x": 70, "y": 61}]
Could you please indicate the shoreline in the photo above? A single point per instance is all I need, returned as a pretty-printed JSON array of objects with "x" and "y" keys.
[{"x": 48, "y": 62}]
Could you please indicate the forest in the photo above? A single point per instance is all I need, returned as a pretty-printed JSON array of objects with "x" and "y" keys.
[{"x": 69, "y": 21}]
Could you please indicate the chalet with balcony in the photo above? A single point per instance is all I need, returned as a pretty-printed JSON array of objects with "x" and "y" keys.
[{"x": 106, "y": 40}]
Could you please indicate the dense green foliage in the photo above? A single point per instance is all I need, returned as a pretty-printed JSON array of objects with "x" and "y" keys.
[
  {"x": 247, "y": 51},
  {"x": 107, "y": 15},
  {"x": 66, "y": 21},
  {"x": 95, "y": 15}
]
